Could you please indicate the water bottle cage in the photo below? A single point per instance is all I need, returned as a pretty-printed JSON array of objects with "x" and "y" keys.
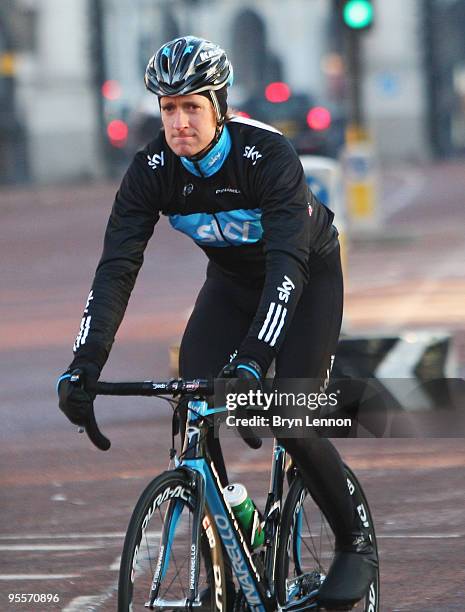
[{"x": 257, "y": 529}]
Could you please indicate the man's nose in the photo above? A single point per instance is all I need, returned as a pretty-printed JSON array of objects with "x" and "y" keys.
[{"x": 180, "y": 119}]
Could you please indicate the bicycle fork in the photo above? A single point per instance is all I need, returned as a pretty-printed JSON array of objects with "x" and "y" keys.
[{"x": 171, "y": 519}]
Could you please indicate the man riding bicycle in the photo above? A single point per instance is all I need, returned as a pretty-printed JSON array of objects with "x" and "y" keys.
[{"x": 273, "y": 287}]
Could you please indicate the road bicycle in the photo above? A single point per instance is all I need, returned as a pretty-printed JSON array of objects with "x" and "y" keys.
[{"x": 182, "y": 526}]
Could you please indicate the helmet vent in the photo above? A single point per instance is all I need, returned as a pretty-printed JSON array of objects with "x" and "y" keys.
[{"x": 188, "y": 65}]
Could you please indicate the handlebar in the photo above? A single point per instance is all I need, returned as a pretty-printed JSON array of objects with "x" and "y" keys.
[{"x": 148, "y": 388}]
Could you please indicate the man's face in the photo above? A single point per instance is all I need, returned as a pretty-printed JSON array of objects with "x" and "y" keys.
[{"x": 189, "y": 122}]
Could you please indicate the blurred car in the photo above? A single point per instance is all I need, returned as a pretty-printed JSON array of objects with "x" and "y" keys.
[
  {"x": 127, "y": 130},
  {"x": 144, "y": 123},
  {"x": 313, "y": 129}
]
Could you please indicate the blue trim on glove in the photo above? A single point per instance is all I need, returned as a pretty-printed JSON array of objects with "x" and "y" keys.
[
  {"x": 249, "y": 369},
  {"x": 63, "y": 377}
]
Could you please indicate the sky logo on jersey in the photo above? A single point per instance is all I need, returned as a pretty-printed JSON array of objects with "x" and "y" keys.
[
  {"x": 223, "y": 229},
  {"x": 157, "y": 159},
  {"x": 284, "y": 291},
  {"x": 251, "y": 153}
]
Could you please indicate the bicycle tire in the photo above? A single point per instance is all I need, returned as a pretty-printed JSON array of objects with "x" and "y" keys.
[
  {"x": 302, "y": 561},
  {"x": 140, "y": 557}
]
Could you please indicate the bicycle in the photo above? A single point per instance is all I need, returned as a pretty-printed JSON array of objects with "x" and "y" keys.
[{"x": 183, "y": 511}]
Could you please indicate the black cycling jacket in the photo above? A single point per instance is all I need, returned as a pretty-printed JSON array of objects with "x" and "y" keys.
[{"x": 255, "y": 219}]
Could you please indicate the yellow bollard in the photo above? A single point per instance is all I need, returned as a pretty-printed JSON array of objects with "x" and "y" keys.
[
  {"x": 7, "y": 64},
  {"x": 361, "y": 182}
]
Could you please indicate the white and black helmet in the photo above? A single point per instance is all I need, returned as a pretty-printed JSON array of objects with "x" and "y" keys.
[{"x": 188, "y": 65}]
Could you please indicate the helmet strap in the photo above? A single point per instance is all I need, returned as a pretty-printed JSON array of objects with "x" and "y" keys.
[{"x": 216, "y": 106}]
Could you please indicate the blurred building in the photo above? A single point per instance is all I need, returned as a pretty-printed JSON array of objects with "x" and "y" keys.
[
  {"x": 443, "y": 30},
  {"x": 395, "y": 80},
  {"x": 72, "y": 73},
  {"x": 13, "y": 164},
  {"x": 54, "y": 87}
]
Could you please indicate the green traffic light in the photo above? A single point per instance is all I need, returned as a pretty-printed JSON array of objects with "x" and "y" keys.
[{"x": 358, "y": 14}]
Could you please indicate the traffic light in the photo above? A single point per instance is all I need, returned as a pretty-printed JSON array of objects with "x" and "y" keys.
[{"x": 357, "y": 14}]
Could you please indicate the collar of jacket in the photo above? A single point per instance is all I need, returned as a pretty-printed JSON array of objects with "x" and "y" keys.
[{"x": 213, "y": 160}]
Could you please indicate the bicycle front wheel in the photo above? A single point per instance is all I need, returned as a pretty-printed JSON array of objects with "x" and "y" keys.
[
  {"x": 306, "y": 546},
  {"x": 156, "y": 565}
]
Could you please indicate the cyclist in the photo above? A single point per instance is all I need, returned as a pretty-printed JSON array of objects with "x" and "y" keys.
[{"x": 273, "y": 287}]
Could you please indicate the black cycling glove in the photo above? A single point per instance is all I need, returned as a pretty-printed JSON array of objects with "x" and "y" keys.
[
  {"x": 243, "y": 369},
  {"x": 76, "y": 391}
]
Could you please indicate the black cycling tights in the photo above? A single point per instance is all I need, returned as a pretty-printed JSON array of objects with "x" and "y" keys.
[{"x": 219, "y": 322}]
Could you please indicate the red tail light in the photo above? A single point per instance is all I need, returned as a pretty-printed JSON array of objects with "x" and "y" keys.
[
  {"x": 117, "y": 132},
  {"x": 277, "y": 92},
  {"x": 111, "y": 90},
  {"x": 318, "y": 118}
]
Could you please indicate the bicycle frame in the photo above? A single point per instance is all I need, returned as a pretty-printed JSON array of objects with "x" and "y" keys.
[
  {"x": 257, "y": 587},
  {"x": 255, "y": 571}
]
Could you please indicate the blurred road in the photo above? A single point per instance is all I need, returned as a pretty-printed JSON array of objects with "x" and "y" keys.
[{"x": 65, "y": 505}]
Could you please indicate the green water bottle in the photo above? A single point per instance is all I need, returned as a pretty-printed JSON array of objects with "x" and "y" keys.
[{"x": 246, "y": 513}]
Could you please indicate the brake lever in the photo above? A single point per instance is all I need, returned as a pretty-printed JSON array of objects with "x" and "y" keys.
[{"x": 246, "y": 432}]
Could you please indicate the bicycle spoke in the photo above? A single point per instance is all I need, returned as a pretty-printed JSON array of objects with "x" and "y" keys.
[
  {"x": 172, "y": 558},
  {"x": 316, "y": 558},
  {"x": 148, "y": 553},
  {"x": 178, "y": 576}
]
